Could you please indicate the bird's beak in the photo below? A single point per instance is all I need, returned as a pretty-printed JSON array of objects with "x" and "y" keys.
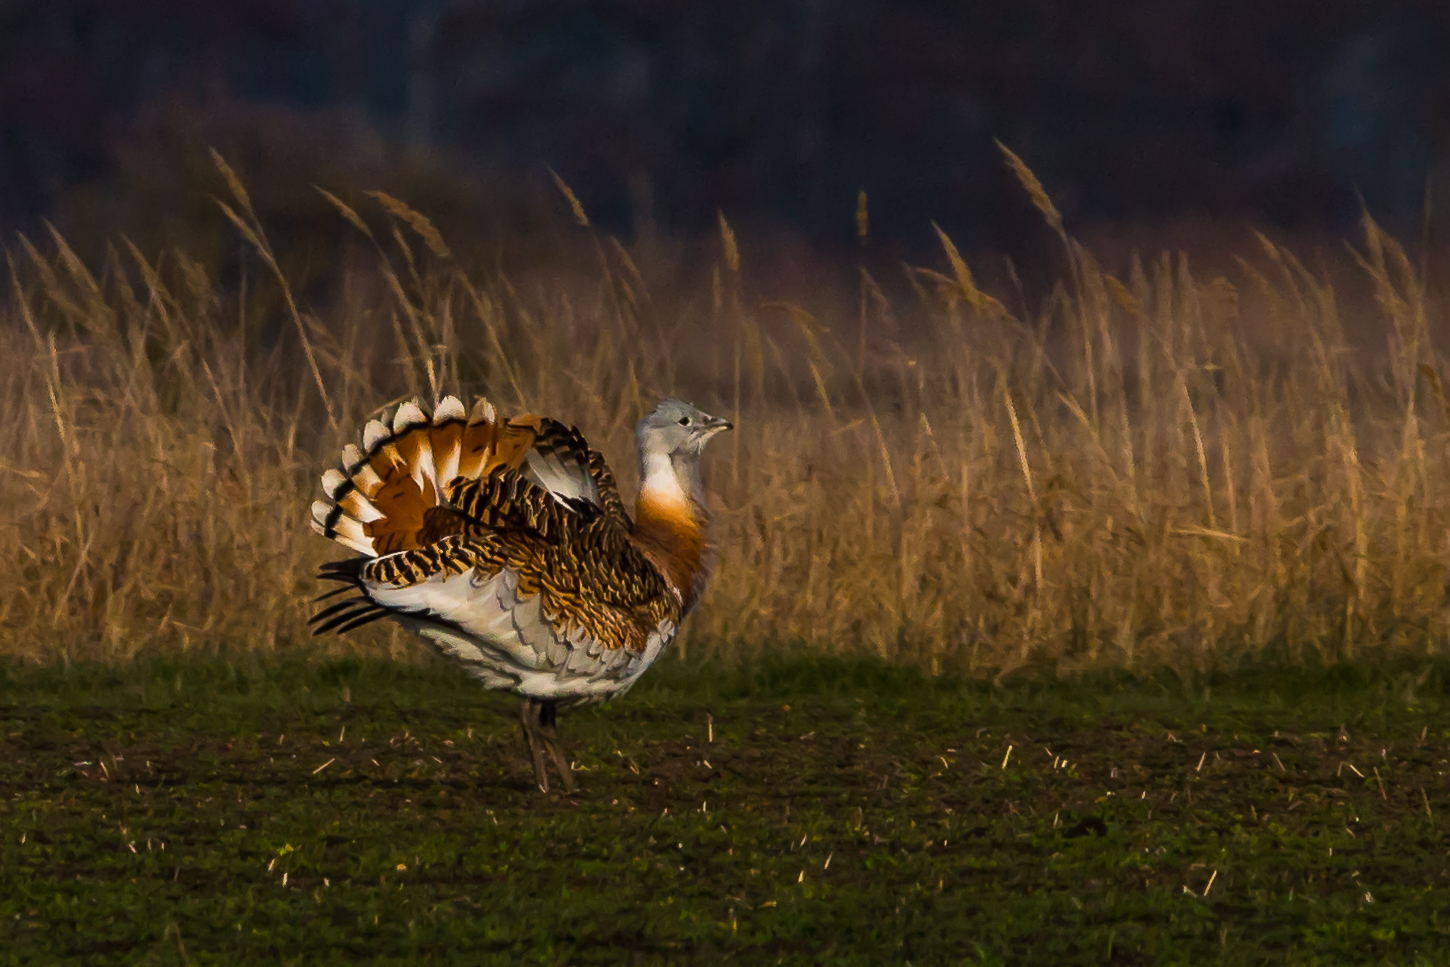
[{"x": 716, "y": 424}]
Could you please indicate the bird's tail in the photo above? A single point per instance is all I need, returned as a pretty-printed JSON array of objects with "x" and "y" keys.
[{"x": 384, "y": 497}]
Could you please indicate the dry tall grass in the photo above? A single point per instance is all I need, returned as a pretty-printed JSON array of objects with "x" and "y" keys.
[{"x": 1156, "y": 469}]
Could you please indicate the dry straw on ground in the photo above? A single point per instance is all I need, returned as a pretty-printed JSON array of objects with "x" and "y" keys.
[{"x": 1154, "y": 469}]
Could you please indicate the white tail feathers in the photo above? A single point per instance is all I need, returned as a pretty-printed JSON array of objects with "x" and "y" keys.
[
  {"x": 377, "y": 499},
  {"x": 450, "y": 409},
  {"x": 408, "y": 416}
]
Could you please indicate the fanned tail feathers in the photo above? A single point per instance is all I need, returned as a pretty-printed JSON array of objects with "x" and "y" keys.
[
  {"x": 348, "y": 613},
  {"x": 383, "y": 498}
]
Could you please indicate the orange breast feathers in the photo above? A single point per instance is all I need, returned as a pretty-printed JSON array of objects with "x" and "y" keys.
[{"x": 670, "y": 530}]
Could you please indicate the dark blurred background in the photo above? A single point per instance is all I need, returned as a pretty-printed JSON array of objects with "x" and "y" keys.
[{"x": 1136, "y": 114}]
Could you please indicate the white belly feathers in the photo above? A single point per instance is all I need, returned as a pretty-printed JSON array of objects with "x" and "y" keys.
[{"x": 505, "y": 641}]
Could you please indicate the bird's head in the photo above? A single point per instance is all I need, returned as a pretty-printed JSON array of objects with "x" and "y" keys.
[{"x": 676, "y": 430}]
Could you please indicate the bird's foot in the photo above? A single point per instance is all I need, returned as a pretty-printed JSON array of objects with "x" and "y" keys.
[{"x": 537, "y": 718}]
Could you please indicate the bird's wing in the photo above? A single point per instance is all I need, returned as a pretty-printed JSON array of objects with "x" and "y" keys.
[
  {"x": 562, "y": 462},
  {"x": 512, "y": 635}
]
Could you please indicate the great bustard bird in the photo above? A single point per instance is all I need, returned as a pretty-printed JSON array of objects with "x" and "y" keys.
[{"x": 506, "y": 545}]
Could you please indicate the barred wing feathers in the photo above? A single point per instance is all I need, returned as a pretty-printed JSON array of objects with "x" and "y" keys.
[{"x": 505, "y": 543}]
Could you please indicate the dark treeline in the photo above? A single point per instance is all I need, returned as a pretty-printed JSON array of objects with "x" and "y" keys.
[{"x": 778, "y": 112}]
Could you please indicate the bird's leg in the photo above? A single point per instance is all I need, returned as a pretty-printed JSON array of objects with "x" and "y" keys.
[
  {"x": 530, "y": 715},
  {"x": 548, "y": 719}
]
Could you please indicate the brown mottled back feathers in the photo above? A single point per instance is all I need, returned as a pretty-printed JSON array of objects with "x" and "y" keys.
[{"x": 581, "y": 561}]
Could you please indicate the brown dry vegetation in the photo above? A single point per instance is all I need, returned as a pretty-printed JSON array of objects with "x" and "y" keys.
[{"x": 1148, "y": 470}]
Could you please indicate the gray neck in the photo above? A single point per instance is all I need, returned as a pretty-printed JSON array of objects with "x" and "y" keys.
[{"x": 687, "y": 472}]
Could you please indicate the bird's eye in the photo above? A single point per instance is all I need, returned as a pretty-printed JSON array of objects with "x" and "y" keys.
[{"x": 684, "y": 421}]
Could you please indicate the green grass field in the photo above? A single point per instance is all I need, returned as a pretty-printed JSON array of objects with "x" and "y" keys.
[{"x": 269, "y": 810}]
